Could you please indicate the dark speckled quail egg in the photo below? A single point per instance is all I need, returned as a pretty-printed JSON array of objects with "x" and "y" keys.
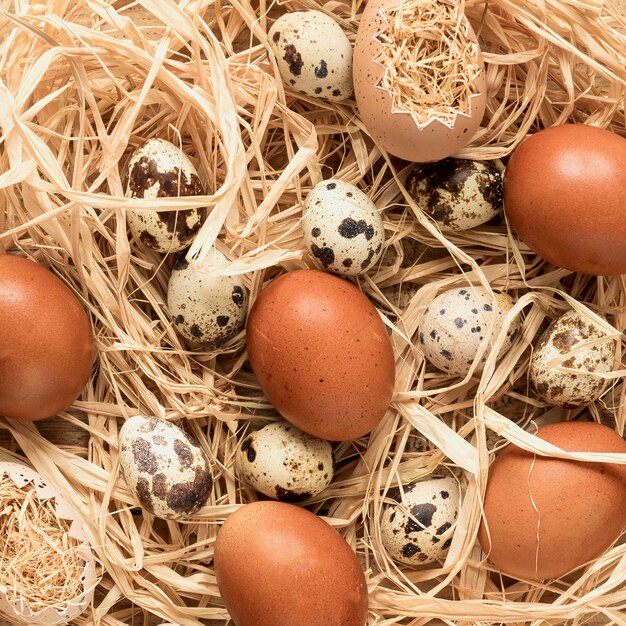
[
  {"x": 419, "y": 526},
  {"x": 457, "y": 323},
  {"x": 566, "y": 334},
  {"x": 159, "y": 169},
  {"x": 207, "y": 308},
  {"x": 164, "y": 467},
  {"x": 458, "y": 193},
  {"x": 343, "y": 229},
  {"x": 284, "y": 463},
  {"x": 313, "y": 54}
]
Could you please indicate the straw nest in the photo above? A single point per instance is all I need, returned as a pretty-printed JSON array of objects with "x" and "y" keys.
[{"x": 83, "y": 82}]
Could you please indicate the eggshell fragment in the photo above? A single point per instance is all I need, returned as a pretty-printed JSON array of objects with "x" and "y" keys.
[
  {"x": 164, "y": 467},
  {"x": 282, "y": 462},
  {"x": 47, "y": 348},
  {"x": 564, "y": 196},
  {"x": 206, "y": 307},
  {"x": 321, "y": 354},
  {"x": 565, "y": 335},
  {"x": 545, "y": 517},
  {"x": 458, "y": 322},
  {"x": 458, "y": 193},
  {"x": 159, "y": 169},
  {"x": 313, "y": 54},
  {"x": 277, "y": 564},
  {"x": 343, "y": 229},
  {"x": 394, "y": 128},
  {"x": 418, "y": 528}
]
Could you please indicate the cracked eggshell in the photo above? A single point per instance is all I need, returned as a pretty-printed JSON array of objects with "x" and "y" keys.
[
  {"x": 282, "y": 462},
  {"x": 313, "y": 54},
  {"x": 206, "y": 307},
  {"x": 457, "y": 193},
  {"x": 419, "y": 526},
  {"x": 564, "y": 335},
  {"x": 159, "y": 169},
  {"x": 396, "y": 131},
  {"x": 456, "y": 323},
  {"x": 19, "y": 611},
  {"x": 167, "y": 470},
  {"x": 343, "y": 229}
]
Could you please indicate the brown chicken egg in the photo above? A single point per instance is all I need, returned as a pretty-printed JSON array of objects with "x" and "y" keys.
[
  {"x": 47, "y": 347},
  {"x": 565, "y": 196},
  {"x": 321, "y": 354},
  {"x": 419, "y": 80},
  {"x": 545, "y": 517},
  {"x": 279, "y": 565}
]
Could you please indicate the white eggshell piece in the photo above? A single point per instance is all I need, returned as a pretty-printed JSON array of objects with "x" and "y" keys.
[
  {"x": 159, "y": 169},
  {"x": 164, "y": 467},
  {"x": 313, "y": 54},
  {"x": 565, "y": 335},
  {"x": 284, "y": 463},
  {"x": 206, "y": 307},
  {"x": 343, "y": 229},
  {"x": 457, "y": 193},
  {"x": 418, "y": 529},
  {"x": 457, "y": 323}
]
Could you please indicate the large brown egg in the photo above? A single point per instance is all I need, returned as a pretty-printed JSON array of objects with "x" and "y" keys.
[
  {"x": 279, "y": 565},
  {"x": 404, "y": 96},
  {"x": 545, "y": 517},
  {"x": 46, "y": 342},
  {"x": 565, "y": 196},
  {"x": 321, "y": 354}
]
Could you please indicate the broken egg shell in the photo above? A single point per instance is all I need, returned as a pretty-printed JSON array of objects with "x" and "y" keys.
[
  {"x": 205, "y": 307},
  {"x": 418, "y": 528},
  {"x": 282, "y": 462},
  {"x": 343, "y": 229},
  {"x": 167, "y": 470},
  {"x": 571, "y": 389},
  {"x": 397, "y": 132},
  {"x": 456, "y": 324},
  {"x": 457, "y": 193},
  {"x": 313, "y": 54},
  {"x": 159, "y": 169}
]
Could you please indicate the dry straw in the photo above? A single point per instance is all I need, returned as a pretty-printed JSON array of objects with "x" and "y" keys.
[{"x": 83, "y": 82}]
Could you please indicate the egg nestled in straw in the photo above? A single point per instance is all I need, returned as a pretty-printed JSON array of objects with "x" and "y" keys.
[{"x": 419, "y": 80}]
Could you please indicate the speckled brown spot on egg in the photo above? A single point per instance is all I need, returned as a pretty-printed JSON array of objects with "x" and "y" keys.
[
  {"x": 159, "y": 486},
  {"x": 144, "y": 495},
  {"x": 294, "y": 59},
  {"x": 184, "y": 454},
  {"x": 143, "y": 456},
  {"x": 186, "y": 497}
]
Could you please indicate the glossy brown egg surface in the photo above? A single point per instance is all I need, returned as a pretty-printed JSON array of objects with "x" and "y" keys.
[
  {"x": 544, "y": 517},
  {"x": 565, "y": 196},
  {"x": 46, "y": 341},
  {"x": 279, "y": 565},
  {"x": 321, "y": 354}
]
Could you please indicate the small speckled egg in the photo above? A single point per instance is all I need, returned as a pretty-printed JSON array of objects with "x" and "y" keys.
[
  {"x": 159, "y": 169},
  {"x": 164, "y": 467},
  {"x": 205, "y": 307},
  {"x": 456, "y": 324},
  {"x": 313, "y": 53},
  {"x": 564, "y": 335},
  {"x": 343, "y": 230},
  {"x": 418, "y": 528},
  {"x": 457, "y": 193},
  {"x": 284, "y": 463}
]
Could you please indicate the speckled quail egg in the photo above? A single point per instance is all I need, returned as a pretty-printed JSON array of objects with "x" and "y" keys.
[
  {"x": 164, "y": 467},
  {"x": 313, "y": 53},
  {"x": 284, "y": 463},
  {"x": 457, "y": 193},
  {"x": 419, "y": 526},
  {"x": 457, "y": 323},
  {"x": 159, "y": 169},
  {"x": 207, "y": 308},
  {"x": 566, "y": 334},
  {"x": 343, "y": 229}
]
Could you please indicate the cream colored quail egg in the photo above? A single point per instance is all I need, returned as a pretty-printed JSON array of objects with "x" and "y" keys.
[{"x": 284, "y": 463}]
